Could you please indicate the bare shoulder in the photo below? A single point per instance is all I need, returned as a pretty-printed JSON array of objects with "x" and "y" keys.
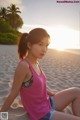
[
  {"x": 22, "y": 68},
  {"x": 23, "y": 64}
]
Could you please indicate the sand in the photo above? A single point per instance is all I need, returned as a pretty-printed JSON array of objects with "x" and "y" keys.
[{"x": 62, "y": 70}]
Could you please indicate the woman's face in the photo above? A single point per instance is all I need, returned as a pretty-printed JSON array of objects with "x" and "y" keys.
[{"x": 39, "y": 49}]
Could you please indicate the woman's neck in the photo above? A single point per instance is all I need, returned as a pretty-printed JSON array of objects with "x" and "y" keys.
[{"x": 32, "y": 59}]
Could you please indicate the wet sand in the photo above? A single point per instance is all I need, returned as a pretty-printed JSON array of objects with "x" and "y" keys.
[{"x": 62, "y": 70}]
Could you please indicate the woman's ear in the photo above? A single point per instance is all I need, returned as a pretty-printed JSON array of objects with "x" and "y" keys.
[{"x": 29, "y": 45}]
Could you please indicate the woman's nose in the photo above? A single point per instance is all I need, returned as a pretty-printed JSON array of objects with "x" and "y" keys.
[{"x": 44, "y": 49}]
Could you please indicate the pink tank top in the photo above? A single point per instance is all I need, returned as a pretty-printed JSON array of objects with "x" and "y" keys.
[{"x": 34, "y": 98}]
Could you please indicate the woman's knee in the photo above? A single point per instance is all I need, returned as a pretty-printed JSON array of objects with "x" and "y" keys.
[{"x": 76, "y": 91}]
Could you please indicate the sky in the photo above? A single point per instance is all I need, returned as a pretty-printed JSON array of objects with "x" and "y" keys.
[{"x": 61, "y": 18}]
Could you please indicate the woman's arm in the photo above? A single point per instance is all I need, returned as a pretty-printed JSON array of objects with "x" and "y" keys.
[{"x": 20, "y": 73}]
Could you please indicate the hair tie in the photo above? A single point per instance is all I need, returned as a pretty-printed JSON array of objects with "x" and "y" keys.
[{"x": 26, "y": 37}]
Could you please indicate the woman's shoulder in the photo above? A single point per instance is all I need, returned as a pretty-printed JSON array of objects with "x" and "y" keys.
[{"x": 23, "y": 65}]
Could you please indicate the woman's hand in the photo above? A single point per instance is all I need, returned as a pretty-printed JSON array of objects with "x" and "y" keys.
[{"x": 51, "y": 92}]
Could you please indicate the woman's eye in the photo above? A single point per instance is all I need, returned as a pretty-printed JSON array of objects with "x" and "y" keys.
[{"x": 40, "y": 44}]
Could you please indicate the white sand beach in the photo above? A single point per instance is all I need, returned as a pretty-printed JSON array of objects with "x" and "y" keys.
[{"x": 62, "y": 70}]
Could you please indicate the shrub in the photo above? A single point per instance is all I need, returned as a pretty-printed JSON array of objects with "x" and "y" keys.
[
  {"x": 5, "y": 27},
  {"x": 8, "y": 38}
]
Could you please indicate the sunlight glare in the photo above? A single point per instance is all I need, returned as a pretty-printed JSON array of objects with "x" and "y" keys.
[{"x": 62, "y": 37}]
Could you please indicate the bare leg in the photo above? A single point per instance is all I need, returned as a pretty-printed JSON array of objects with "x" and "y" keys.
[
  {"x": 63, "y": 116},
  {"x": 67, "y": 96}
]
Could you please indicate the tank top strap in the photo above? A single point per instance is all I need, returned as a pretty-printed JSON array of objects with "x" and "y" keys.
[
  {"x": 27, "y": 62},
  {"x": 30, "y": 66}
]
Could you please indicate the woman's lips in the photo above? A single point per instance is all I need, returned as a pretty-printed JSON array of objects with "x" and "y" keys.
[{"x": 42, "y": 54}]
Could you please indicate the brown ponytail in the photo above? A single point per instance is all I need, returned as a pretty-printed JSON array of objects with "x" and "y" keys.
[{"x": 22, "y": 46}]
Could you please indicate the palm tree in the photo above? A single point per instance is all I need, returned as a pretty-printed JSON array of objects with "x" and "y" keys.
[
  {"x": 13, "y": 9},
  {"x": 3, "y": 13},
  {"x": 15, "y": 22},
  {"x": 13, "y": 17}
]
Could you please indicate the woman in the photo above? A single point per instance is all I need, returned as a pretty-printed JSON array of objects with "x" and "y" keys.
[{"x": 30, "y": 81}]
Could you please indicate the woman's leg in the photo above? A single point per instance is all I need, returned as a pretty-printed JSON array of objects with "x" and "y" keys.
[
  {"x": 67, "y": 96},
  {"x": 63, "y": 116}
]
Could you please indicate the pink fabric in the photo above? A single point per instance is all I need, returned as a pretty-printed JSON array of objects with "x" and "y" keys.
[{"x": 34, "y": 98}]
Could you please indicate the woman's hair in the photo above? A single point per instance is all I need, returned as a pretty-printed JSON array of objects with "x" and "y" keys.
[{"x": 34, "y": 36}]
